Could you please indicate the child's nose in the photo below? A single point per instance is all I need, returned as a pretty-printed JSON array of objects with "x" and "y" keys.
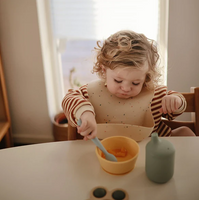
[{"x": 126, "y": 88}]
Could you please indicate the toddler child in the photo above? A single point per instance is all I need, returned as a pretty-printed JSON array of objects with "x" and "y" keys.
[{"x": 127, "y": 92}]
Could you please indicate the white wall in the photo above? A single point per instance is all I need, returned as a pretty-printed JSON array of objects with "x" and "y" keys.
[
  {"x": 183, "y": 45},
  {"x": 23, "y": 67},
  {"x": 22, "y": 60}
]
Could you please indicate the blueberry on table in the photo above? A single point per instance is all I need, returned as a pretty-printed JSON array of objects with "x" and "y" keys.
[{"x": 99, "y": 192}]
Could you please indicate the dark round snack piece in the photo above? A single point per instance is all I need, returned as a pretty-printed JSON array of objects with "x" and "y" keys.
[
  {"x": 99, "y": 192},
  {"x": 118, "y": 195}
]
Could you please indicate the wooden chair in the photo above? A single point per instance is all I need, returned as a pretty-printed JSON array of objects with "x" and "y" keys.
[
  {"x": 5, "y": 122},
  {"x": 192, "y": 99},
  {"x": 72, "y": 133}
]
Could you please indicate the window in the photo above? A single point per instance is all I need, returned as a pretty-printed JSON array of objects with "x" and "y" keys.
[{"x": 73, "y": 26}]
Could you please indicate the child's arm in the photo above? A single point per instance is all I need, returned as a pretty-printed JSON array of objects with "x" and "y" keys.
[
  {"x": 173, "y": 105},
  {"x": 75, "y": 103}
]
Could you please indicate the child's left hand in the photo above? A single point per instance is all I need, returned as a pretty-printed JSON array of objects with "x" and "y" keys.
[{"x": 170, "y": 103}]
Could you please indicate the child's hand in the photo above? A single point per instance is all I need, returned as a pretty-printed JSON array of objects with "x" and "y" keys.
[
  {"x": 170, "y": 103},
  {"x": 88, "y": 128}
]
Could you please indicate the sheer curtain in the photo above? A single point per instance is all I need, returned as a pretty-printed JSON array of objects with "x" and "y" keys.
[{"x": 97, "y": 19}]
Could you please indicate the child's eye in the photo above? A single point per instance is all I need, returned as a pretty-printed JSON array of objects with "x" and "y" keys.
[
  {"x": 117, "y": 81},
  {"x": 135, "y": 83}
]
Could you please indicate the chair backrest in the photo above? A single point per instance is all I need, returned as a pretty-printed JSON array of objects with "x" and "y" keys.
[{"x": 192, "y": 99}]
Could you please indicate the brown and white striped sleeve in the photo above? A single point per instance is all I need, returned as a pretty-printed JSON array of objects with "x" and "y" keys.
[
  {"x": 156, "y": 104},
  {"x": 74, "y": 100}
]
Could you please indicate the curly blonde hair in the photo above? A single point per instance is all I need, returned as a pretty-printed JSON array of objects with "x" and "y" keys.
[{"x": 128, "y": 49}]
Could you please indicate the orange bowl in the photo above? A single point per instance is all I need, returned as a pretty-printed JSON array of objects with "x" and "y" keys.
[{"x": 124, "y": 164}]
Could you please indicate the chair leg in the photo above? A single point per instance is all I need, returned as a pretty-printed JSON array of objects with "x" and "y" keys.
[{"x": 8, "y": 139}]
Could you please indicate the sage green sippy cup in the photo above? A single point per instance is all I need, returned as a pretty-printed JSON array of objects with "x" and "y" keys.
[{"x": 160, "y": 156}]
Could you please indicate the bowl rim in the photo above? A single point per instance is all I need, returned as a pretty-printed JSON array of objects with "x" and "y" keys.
[{"x": 121, "y": 162}]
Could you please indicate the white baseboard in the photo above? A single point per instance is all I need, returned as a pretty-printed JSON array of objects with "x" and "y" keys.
[{"x": 32, "y": 138}]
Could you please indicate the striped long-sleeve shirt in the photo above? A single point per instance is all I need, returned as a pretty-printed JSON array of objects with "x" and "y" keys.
[{"x": 78, "y": 100}]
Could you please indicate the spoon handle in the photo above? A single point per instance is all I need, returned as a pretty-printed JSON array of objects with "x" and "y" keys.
[{"x": 99, "y": 144}]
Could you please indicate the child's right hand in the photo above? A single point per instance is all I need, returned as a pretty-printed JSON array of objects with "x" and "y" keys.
[{"x": 88, "y": 128}]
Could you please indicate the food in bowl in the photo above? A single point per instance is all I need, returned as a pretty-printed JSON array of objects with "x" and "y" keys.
[{"x": 117, "y": 152}]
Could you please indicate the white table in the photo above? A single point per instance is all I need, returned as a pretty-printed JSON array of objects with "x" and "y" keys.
[{"x": 70, "y": 170}]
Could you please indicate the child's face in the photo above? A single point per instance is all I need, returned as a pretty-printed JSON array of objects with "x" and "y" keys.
[{"x": 126, "y": 82}]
